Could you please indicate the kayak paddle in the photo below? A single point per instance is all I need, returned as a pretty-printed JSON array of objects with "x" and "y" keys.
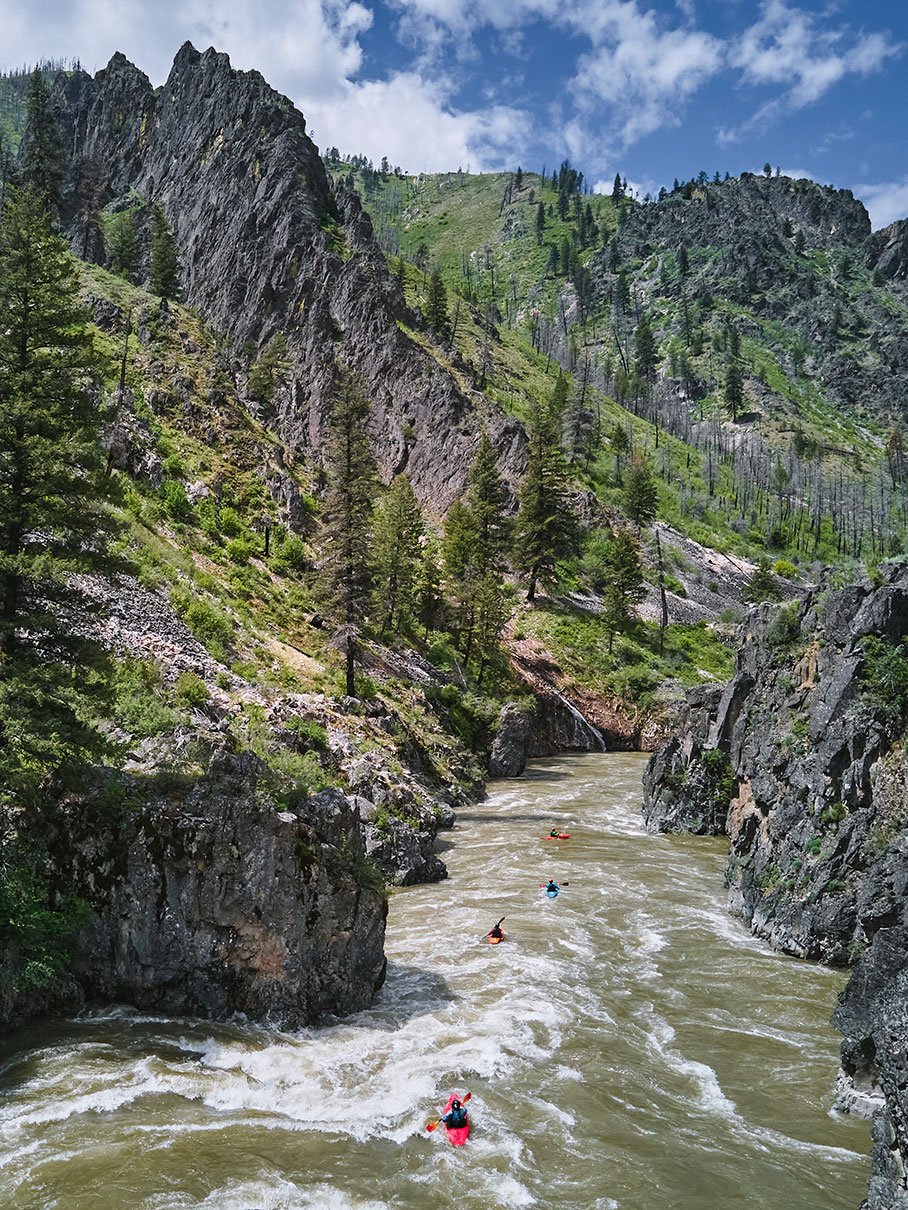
[
  {"x": 497, "y": 925},
  {"x": 430, "y": 1126}
]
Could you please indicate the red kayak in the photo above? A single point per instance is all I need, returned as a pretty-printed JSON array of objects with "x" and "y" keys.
[
  {"x": 457, "y": 1134},
  {"x": 560, "y": 836}
]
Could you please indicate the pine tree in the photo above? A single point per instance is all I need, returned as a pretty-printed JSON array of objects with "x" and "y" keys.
[
  {"x": 53, "y": 519},
  {"x": 41, "y": 152},
  {"x": 493, "y": 608},
  {"x": 437, "y": 306},
  {"x": 345, "y": 573},
  {"x": 487, "y": 499},
  {"x": 624, "y": 583},
  {"x": 429, "y": 596},
  {"x": 271, "y": 370},
  {"x": 683, "y": 261},
  {"x": 621, "y": 444},
  {"x": 398, "y": 532},
  {"x": 540, "y": 222},
  {"x": 646, "y": 356},
  {"x": 617, "y": 188},
  {"x": 546, "y": 529},
  {"x": 165, "y": 266},
  {"x": 761, "y": 585},
  {"x": 122, "y": 240},
  {"x": 641, "y": 500},
  {"x": 734, "y": 388}
]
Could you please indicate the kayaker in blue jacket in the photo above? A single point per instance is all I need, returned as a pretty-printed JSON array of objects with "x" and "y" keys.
[
  {"x": 456, "y": 1115},
  {"x": 552, "y": 885}
]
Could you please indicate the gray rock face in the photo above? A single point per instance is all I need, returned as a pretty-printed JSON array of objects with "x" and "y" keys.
[
  {"x": 873, "y": 1016},
  {"x": 266, "y": 246},
  {"x": 511, "y": 744},
  {"x": 813, "y": 795},
  {"x": 219, "y": 900},
  {"x": 734, "y": 232}
]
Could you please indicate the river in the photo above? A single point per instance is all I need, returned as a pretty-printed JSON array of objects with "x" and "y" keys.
[{"x": 629, "y": 1046}]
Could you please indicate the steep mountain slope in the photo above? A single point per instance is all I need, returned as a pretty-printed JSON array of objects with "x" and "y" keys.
[
  {"x": 801, "y": 761},
  {"x": 266, "y": 247},
  {"x": 780, "y": 278}
]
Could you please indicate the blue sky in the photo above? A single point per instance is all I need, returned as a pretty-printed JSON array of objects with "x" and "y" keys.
[{"x": 655, "y": 89}]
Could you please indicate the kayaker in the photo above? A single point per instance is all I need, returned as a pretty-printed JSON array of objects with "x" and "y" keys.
[
  {"x": 552, "y": 885},
  {"x": 456, "y": 1115},
  {"x": 496, "y": 931},
  {"x": 554, "y": 832}
]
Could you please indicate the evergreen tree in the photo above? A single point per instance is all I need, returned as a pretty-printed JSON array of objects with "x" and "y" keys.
[
  {"x": 734, "y": 388},
  {"x": 91, "y": 192},
  {"x": 623, "y": 582},
  {"x": 641, "y": 500},
  {"x": 41, "y": 152},
  {"x": 621, "y": 444},
  {"x": 271, "y": 370},
  {"x": 122, "y": 240},
  {"x": 429, "y": 596},
  {"x": 762, "y": 584},
  {"x": 800, "y": 243},
  {"x": 493, "y": 608},
  {"x": 53, "y": 519},
  {"x": 683, "y": 261},
  {"x": 546, "y": 530},
  {"x": 645, "y": 353},
  {"x": 617, "y": 188},
  {"x": 540, "y": 222},
  {"x": 165, "y": 266},
  {"x": 487, "y": 499},
  {"x": 397, "y": 545},
  {"x": 459, "y": 546},
  {"x": 346, "y": 563},
  {"x": 518, "y": 179},
  {"x": 437, "y": 306}
]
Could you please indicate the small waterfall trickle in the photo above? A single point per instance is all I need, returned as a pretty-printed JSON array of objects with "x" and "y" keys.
[{"x": 583, "y": 736}]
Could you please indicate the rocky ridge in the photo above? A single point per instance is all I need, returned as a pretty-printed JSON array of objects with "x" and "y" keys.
[
  {"x": 800, "y": 761},
  {"x": 267, "y": 246},
  {"x": 739, "y": 252}
]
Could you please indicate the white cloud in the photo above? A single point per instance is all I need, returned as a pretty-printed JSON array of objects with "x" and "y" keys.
[
  {"x": 644, "y": 73},
  {"x": 788, "y": 46},
  {"x": 885, "y": 202},
  {"x": 410, "y": 122}
]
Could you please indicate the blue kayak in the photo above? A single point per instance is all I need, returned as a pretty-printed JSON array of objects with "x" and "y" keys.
[{"x": 552, "y": 894}]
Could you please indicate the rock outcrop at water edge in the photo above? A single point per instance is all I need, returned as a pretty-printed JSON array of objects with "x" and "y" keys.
[
  {"x": 801, "y": 761},
  {"x": 213, "y": 898}
]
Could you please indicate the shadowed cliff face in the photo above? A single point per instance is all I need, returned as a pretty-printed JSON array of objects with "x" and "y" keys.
[
  {"x": 216, "y": 899},
  {"x": 266, "y": 247},
  {"x": 802, "y": 762}
]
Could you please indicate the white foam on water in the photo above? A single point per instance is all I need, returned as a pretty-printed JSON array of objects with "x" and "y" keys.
[{"x": 265, "y": 1195}]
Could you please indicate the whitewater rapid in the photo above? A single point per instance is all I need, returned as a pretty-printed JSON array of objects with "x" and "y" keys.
[{"x": 629, "y": 1046}]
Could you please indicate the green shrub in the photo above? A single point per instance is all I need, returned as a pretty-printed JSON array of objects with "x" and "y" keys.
[
  {"x": 175, "y": 501},
  {"x": 190, "y": 690},
  {"x": 290, "y": 555},
  {"x": 885, "y": 678},
  {"x": 137, "y": 706},
  {"x": 784, "y": 629},
  {"x": 239, "y": 551},
  {"x": 813, "y": 846},
  {"x": 230, "y": 523},
  {"x": 311, "y": 732},
  {"x": 209, "y": 624},
  {"x": 783, "y": 568},
  {"x": 35, "y": 923},
  {"x": 302, "y": 768}
]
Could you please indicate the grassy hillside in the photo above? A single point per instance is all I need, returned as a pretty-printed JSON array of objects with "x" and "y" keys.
[{"x": 801, "y": 470}]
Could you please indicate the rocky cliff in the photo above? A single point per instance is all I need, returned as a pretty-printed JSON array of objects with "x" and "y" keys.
[
  {"x": 801, "y": 761},
  {"x": 741, "y": 238},
  {"x": 267, "y": 246},
  {"x": 208, "y": 895}
]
